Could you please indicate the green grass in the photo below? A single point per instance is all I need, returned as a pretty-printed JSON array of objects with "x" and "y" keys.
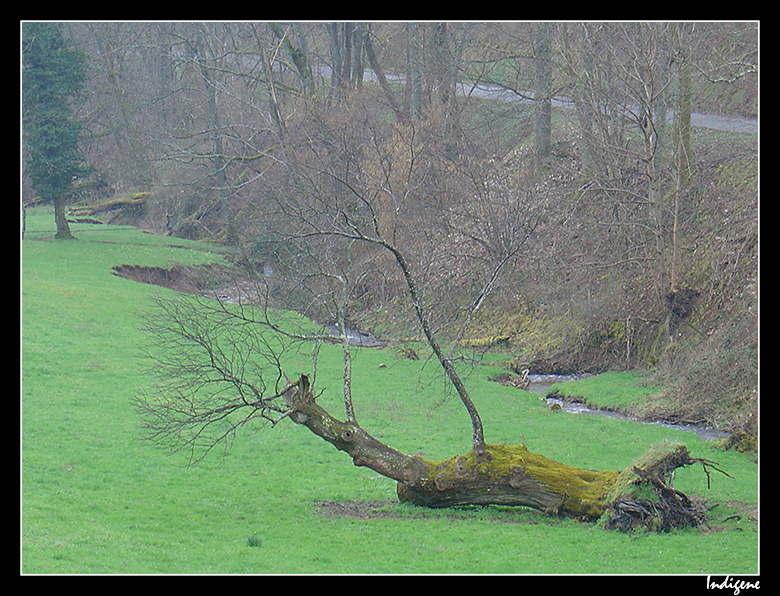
[
  {"x": 617, "y": 391},
  {"x": 97, "y": 499}
]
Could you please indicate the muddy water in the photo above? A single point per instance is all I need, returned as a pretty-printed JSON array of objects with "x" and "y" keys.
[{"x": 540, "y": 384}]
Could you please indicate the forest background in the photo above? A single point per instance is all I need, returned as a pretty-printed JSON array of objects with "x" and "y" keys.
[{"x": 633, "y": 234}]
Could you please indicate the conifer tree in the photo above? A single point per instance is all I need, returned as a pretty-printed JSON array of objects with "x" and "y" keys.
[{"x": 53, "y": 75}]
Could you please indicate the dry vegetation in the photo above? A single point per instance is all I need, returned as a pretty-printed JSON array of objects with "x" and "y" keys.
[{"x": 603, "y": 263}]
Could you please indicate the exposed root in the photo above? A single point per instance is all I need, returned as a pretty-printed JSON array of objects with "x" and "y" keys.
[{"x": 647, "y": 497}]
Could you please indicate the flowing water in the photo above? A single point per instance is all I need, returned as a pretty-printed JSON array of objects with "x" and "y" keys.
[{"x": 541, "y": 384}]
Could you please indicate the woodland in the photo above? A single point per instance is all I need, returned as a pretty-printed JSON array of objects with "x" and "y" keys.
[{"x": 534, "y": 189}]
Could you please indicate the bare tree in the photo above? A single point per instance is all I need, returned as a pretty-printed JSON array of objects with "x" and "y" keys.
[
  {"x": 224, "y": 362},
  {"x": 622, "y": 81}
]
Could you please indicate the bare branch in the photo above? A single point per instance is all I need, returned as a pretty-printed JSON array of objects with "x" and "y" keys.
[{"x": 213, "y": 366}]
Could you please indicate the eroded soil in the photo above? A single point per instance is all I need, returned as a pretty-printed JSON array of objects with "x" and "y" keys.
[{"x": 209, "y": 280}]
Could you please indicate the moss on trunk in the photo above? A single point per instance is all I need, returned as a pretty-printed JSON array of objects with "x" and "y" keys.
[
  {"x": 511, "y": 475},
  {"x": 642, "y": 494}
]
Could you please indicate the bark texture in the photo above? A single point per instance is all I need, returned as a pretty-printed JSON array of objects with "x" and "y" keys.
[{"x": 511, "y": 475}]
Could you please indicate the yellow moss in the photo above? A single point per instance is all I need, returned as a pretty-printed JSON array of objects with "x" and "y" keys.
[
  {"x": 617, "y": 330},
  {"x": 741, "y": 441},
  {"x": 580, "y": 490},
  {"x": 138, "y": 195},
  {"x": 484, "y": 342},
  {"x": 530, "y": 331},
  {"x": 130, "y": 200},
  {"x": 627, "y": 479},
  {"x": 741, "y": 174}
]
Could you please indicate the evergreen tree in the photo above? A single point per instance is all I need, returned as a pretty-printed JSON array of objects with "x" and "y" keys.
[{"x": 52, "y": 76}]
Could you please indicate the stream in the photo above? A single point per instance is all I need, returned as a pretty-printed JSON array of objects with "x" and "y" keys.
[
  {"x": 540, "y": 384},
  {"x": 357, "y": 338}
]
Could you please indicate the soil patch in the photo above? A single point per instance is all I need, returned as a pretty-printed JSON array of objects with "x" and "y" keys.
[
  {"x": 175, "y": 278},
  {"x": 384, "y": 510},
  {"x": 189, "y": 280},
  {"x": 223, "y": 283},
  {"x": 357, "y": 509}
]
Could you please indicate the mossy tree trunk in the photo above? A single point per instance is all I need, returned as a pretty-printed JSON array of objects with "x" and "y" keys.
[{"x": 514, "y": 476}]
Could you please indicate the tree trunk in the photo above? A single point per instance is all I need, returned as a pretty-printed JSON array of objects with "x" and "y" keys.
[
  {"x": 414, "y": 81},
  {"x": 61, "y": 220},
  {"x": 512, "y": 475},
  {"x": 299, "y": 55},
  {"x": 218, "y": 158},
  {"x": 380, "y": 75},
  {"x": 682, "y": 145},
  {"x": 542, "y": 94},
  {"x": 273, "y": 102}
]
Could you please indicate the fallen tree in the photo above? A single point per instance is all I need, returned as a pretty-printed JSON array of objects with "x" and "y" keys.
[
  {"x": 512, "y": 475},
  {"x": 130, "y": 201},
  {"x": 216, "y": 359}
]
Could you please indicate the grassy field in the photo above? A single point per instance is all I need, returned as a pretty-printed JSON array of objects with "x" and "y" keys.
[{"x": 96, "y": 499}]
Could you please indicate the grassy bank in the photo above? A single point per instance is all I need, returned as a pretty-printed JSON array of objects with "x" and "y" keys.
[
  {"x": 615, "y": 391},
  {"x": 97, "y": 499}
]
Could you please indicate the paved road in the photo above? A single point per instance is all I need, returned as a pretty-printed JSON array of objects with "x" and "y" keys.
[
  {"x": 714, "y": 122},
  {"x": 727, "y": 123},
  {"x": 711, "y": 121}
]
